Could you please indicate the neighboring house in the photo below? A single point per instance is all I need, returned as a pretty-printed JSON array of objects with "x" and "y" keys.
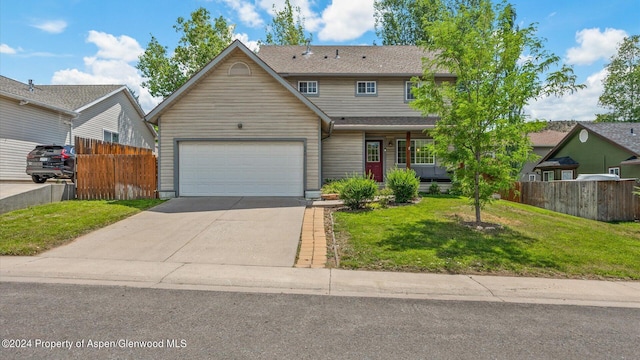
[
  {"x": 366, "y": 90},
  {"x": 594, "y": 148},
  {"x": 283, "y": 121},
  {"x": 542, "y": 142},
  {"x": 32, "y": 114}
]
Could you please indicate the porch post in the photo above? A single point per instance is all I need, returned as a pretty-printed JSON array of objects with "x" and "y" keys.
[{"x": 408, "y": 150}]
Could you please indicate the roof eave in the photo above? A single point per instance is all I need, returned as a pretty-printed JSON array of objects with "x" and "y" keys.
[
  {"x": 26, "y": 101},
  {"x": 384, "y": 127}
]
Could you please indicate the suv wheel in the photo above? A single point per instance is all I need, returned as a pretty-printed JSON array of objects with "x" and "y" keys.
[{"x": 37, "y": 179}]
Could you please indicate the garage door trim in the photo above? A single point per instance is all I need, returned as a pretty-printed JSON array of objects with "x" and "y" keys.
[{"x": 176, "y": 154}]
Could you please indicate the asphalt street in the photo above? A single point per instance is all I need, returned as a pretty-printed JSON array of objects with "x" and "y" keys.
[{"x": 123, "y": 322}]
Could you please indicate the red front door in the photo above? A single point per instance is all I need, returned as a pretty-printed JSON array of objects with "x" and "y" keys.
[{"x": 373, "y": 163}]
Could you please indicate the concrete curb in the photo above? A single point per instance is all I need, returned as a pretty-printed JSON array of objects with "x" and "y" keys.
[{"x": 333, "y": 282}]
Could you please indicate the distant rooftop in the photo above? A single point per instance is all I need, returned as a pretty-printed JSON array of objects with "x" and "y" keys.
[
  {"x": 321, "y": 60},
  {"x": 66, "y": 97},
  {"x": 548, "y": 138}
]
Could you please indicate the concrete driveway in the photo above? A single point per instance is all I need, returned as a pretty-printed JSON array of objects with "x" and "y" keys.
[{"x": 261, "y": 231}]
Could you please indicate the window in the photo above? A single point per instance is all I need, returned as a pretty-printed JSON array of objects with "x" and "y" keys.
[
  {"x": 547, "y": 176},
  {"x": 532, "y": 177},
  {"x": 110, "y": 136},
  {"x": 366, "y": 88},
  {"x": 373, "y": 151},
  {"x": 567, "y": 175},
  {"x": 408, "y": 95},
  {"x": 614, "y": 171},
  {"x": 420, "y": 154},
  {"x": 308, "y": 87}
]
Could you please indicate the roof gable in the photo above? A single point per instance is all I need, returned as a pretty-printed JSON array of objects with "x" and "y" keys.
[
  {"x": 622, "y": 135},
  {"x": 154, "y": 114}
]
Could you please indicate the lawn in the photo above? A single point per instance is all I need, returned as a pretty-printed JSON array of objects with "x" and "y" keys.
[
  {"x": 430, "y": 237},
  {"x": 39, "y": 228}
]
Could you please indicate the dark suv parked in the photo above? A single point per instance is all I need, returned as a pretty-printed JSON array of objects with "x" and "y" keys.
[{"x": 51, "y": 161}]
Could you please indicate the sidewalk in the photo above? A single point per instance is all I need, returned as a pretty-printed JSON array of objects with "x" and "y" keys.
[{"x": 176, "y": 275}]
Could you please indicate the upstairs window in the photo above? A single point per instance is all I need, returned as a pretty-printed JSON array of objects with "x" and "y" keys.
[
  {"x": 110, "y": 136},
  {"x": 408, "y": 95},
  {"x": 366, "y": 88},
  {"x": 308, "y": 87}
]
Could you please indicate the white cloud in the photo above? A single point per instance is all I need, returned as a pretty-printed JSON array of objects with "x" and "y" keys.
[
  {"x": 252, "y": 45},
  {"x": 594, "y": 45},
  {"x": 110, "y": 47},
  {"x": 312, "y": 22},
  {"x": 110, "y": 65},
  {"x": 346, "y": 20},
  {"x": 51, "y": 26},
  {"x": 6, "y": 49},
  {"x": 246, "y": 11},
  {"x": 581, "y": 105}
]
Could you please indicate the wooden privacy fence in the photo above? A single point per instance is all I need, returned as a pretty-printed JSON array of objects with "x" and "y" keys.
[
  {"x": 595, "y": 200},
  {"x": 125, "y": 174}
]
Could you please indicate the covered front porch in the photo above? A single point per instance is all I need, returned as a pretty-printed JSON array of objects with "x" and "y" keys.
[{"x": 375, "y": 146}]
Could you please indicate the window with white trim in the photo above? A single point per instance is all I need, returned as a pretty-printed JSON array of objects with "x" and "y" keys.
[
  {"x": 366, "y": 88},
  {"x": 408, "y": 94},
  {"x": 532, "y": 177},
  {"x": 110, "y": 136},
  {"x": 419, "y": 152},
  {"x": 308, "y": 87},
  {"x": 614, "y": 171},
  {"x": 567, "y": 175},
  {"x": 547, "y": 176}
]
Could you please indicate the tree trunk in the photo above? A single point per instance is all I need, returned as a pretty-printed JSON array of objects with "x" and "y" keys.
[{"x": 476, "y": 197}]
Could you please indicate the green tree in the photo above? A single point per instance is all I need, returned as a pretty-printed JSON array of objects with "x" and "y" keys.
[
  {"x": 482, "y": 132},
  {"x": 200, "y": 42},
  {"x": 287, "y": 27},
  {"x": 400, "y": 22},
  {"x": 622, "y": 85}
]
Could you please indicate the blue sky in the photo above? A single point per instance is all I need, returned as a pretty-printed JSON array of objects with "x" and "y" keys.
[{"x": 97, "y": 42}]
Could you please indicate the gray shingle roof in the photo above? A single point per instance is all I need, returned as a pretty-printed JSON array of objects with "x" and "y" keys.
[
  {"x": 66, "y": 97},
  {"x": 352, "y": 60},
  {"x": 624, "y": 134}
]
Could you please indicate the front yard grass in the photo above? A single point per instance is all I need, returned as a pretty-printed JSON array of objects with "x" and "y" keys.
[
  {"x": 39, "y": 228},
  {"x": 430, "y": 237}
]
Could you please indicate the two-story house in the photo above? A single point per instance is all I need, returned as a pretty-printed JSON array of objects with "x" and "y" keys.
[
  {"x": 366, "y": 90},
  {"x": 282, "y": 121}
]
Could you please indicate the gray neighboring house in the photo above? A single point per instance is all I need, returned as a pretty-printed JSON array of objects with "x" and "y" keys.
[
  {"x": 542, "y": 143},
  {"x": 33, "y": 114}
]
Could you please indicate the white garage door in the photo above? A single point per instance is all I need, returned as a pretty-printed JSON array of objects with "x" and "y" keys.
[{"x": 247, "y": 168}]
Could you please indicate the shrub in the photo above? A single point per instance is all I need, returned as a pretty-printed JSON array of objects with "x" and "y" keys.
[
  {"x": 434, "y": 189},
  {"x": 357, "y": 190},
  {"x": 332, "y": 186},
  {"x": 404, "y": 184}
]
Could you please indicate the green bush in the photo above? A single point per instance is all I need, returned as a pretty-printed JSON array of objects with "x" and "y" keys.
[
  {"x": 332, "y": 186},
  {"x": 357, "y": 190},
  {"x": 404, "y": 184},
  {"x": 434, "y": 189}
]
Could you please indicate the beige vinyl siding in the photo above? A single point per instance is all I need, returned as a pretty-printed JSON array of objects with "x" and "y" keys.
[
  {"x": 342, "y": 154},
  {"x": 337, "y": 97},
  {"x": 22, "y": 127},
  {"x": 213, "y": 108},
  {"x": 115, "y": 114}
]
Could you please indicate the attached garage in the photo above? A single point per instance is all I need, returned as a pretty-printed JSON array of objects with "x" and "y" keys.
[
  {"x": 241, "y": 168},
  {"x": 237, "y": 128}
]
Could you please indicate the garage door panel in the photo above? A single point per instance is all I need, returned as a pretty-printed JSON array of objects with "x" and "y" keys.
[{"x": 241, "y": 168}]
